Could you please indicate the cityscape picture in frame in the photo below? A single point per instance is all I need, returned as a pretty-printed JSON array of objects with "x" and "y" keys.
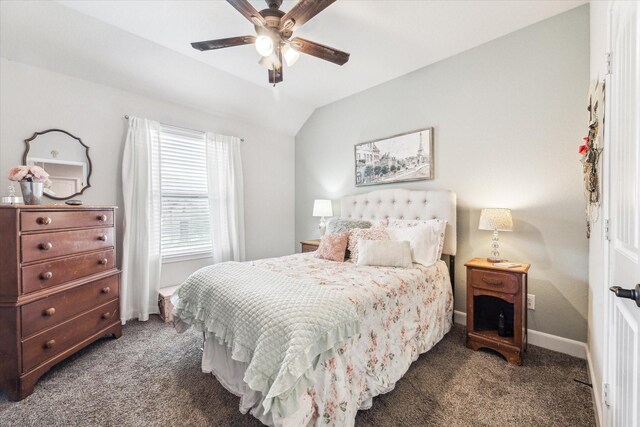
[{"x": 398, "y": 158}]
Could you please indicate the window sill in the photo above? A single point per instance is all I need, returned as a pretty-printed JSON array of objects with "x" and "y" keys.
[{"x": 189, "y": 257}]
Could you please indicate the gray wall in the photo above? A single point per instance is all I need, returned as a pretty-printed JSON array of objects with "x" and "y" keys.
[
  {"x": 33, "y": 99},
  {"x": 508, "y": 118}
]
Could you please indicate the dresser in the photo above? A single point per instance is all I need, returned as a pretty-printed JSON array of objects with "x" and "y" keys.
[{"x": 59, "y": 288}]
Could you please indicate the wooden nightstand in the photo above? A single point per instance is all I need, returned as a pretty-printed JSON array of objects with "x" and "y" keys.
[
  {"x": 491, "y": 290},
  {"x": 310, "y": 245}
]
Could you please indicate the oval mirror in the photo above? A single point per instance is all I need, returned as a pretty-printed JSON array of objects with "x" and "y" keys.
[{"x": 65, "y": 158}]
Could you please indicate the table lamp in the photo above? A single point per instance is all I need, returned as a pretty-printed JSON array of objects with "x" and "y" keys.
[
  {"x": 322, "y": 208},
  {"x": 495, "y": 219}
]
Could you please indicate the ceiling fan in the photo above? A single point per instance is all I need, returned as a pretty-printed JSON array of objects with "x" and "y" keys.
[{"x": 274, "y": 29}]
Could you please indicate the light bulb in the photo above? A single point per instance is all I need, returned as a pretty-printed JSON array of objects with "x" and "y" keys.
[
  {"x": 264, "y": 45},
  {"x": 290, "y": 55}
]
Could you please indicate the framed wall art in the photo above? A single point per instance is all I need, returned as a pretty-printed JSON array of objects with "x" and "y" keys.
[{"x": 398, "y": 158}]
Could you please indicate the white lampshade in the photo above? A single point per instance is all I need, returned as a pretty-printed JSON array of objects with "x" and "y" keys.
[
  {"x": 322, "y": 208},
  {"x": 496, "y": 219},
  {"x": 264, "y": 45},
  {"x": 290, "y": 55}
]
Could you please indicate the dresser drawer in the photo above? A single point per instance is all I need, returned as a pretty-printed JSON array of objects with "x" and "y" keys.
[
  {"x": 52, "y": 273},
  {"x": 41, "y": 246},
  {"x": 494, "y": 280},
  {"x": 55, "y": 220},
  {"x": 52, "y": 342},
  {"x": 57, "y": 308}
]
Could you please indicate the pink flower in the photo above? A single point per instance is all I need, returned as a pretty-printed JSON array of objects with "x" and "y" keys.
[
  {"x": 38, "y": 173},
  {"x": 18, "y": 173},
  {"x": 583, "y": 149}
]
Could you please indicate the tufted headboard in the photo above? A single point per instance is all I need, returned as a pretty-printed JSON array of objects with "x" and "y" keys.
[{"x": 405, "y": 204}]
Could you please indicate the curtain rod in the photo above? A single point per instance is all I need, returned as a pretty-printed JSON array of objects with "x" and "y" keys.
[{"x": 126, "y": 116}]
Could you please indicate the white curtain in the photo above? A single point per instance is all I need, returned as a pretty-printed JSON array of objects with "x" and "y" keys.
[
  {"x": 141, "y": 258},
  {"x": 226, "y": 197}
]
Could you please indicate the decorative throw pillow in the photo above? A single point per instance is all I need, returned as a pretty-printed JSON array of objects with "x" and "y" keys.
[
  {"x": 333, "y": 247},
  {"x": 385, "y": 253},
  {"x": 340, "y": 225},
  {"x": 381, "y": 222},
  {"x": 373, "y": 233},
  {"x": 425, "y": 240},
  {"x": 439, "y": 223}
]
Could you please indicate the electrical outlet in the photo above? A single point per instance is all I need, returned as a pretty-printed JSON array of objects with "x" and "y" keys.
[{"x": 531, "y": 302}]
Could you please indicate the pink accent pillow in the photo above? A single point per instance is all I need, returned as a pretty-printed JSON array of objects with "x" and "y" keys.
[
  {"x": 333, "y": 247},
  {"x": 373, "y": 233}
]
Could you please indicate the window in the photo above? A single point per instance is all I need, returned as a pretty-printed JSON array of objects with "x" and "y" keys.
[{"x": 184, "y": 193}]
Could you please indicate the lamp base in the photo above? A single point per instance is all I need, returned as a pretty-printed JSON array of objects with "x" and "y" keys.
[{"x": 494, "y": 260}]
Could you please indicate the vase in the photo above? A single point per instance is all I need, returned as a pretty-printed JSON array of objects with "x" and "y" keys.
[{"x": 32, "y": 192}]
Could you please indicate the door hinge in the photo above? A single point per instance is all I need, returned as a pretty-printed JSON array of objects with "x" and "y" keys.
[
  {"x": 605, "y": 394},
  {"x": 608, "y": 60},
  {"x": 607, "y": 234}
]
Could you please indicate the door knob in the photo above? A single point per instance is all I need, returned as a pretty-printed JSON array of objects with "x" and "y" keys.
[{"x": 633, "y": 294}]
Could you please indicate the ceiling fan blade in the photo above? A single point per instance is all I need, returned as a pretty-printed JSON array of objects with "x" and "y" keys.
[
  {"x": 248, "y": 11},
  {"x": 222, "y": 43},
  {"x": 303, "y": 11},
  {"x": 319, "y": 51},
  {"x": 275, "y": 75}
]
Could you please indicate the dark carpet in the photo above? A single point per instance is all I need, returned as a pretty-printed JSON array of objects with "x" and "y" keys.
[{"x": 151, "y": 377}]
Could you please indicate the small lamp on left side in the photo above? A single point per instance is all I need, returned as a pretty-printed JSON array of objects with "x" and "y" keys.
[{"x": 322, "y": 208}]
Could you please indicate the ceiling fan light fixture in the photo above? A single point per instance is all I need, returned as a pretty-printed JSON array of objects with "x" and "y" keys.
[
  {"x": 264, "y": 45},
  {"x": 266, "y": 62},
  {"x": 290, "y": 55}
]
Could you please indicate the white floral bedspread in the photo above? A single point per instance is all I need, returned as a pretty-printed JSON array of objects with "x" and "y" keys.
[{"x": 403, "y": 313}]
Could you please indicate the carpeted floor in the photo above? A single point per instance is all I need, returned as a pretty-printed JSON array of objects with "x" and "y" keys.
[{"x": 151, "y": 377}]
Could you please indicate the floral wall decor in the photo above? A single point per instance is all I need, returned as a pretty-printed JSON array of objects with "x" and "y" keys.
[{"x": 591, "y": 151}]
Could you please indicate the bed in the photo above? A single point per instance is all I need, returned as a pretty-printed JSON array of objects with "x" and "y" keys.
[{"x": 305, "y": 341}]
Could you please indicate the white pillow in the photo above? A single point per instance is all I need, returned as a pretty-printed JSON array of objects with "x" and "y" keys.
[
  {"x": 384, "y": 253},
  {"x": 426, "y": 240}
]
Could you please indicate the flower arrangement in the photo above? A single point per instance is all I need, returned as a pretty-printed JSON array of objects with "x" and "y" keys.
[
  {"x": 30, "y": 174},
  {"x": 590, "y": 153}
]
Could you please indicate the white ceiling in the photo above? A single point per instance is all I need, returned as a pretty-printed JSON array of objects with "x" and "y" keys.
[{"x": 144, "y": 46}]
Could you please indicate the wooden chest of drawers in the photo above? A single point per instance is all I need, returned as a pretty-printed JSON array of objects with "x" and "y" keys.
[{"x": 59, "y": 288}]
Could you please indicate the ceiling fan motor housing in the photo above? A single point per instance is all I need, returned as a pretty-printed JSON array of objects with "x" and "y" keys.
[{"x": 272, "y": 27}]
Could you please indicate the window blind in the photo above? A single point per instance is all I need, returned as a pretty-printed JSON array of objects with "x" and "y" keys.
[{"x": 184, "y": 193}]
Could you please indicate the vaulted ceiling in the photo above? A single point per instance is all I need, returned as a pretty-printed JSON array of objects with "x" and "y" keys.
[{"x": 143, "y": 46}]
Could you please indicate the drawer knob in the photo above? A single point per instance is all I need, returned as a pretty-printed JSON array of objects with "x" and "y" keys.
[
  {"x": 50, "y": 311},
  {"x": 102, "y": 218},
  {"x": 46, "y": 246},
  {"x": 44, "y": 220},
  {"x": 46, "y": 275},
  {"x": 106, "y": 290},
  {"x": 106, "y": 315},
  {"x": 103, "y": 261},
  {"x": 103, "y": 237},
  {"x": 494, "y": 282},
  {"x": 50, "y": 344}
]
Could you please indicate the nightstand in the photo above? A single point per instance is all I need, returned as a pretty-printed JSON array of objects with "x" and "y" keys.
[
  {"x": 310, "y": 245},
  {"x": 493, "y": 290}
]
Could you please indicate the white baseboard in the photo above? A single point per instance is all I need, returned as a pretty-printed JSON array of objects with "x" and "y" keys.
[
  {"x": 552, "y": 342},
  {"x": 596, "y": 390}
]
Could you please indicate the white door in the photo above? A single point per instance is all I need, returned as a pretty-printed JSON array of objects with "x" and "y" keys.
[{"x": 623, "y": 119}]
